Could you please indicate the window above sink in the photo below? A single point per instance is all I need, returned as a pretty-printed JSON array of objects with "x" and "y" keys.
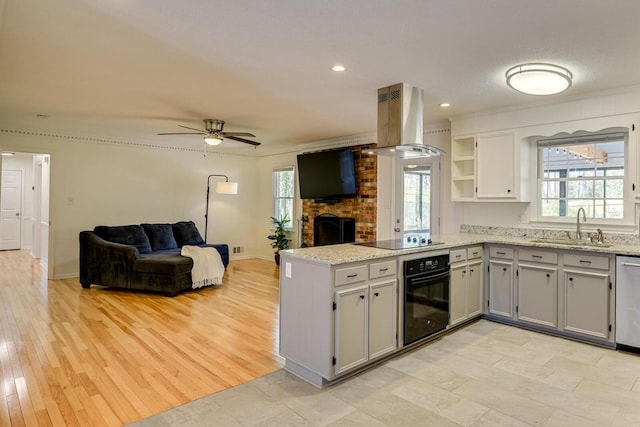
[{"x": 584, "y": 170}]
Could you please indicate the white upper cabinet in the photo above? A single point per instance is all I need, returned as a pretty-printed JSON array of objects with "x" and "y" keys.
[
  {"x": 489, "y": 167},
  {"x": 496, "y": 164}
]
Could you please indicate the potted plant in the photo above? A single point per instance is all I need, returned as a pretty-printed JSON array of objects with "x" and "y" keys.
[{"x": 279, "y": 237}]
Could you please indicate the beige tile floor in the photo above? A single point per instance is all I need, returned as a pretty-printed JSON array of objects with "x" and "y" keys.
[{"x": 485, "y": 374}]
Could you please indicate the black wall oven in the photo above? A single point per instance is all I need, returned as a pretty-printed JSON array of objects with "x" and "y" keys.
[{"x": 426, "y": 297}]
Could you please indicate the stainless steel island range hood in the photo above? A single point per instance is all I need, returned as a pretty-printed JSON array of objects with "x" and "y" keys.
[{"x": 400, "y": 123}]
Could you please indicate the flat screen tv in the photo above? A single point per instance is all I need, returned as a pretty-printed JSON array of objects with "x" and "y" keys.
[{"x": 327, "y": 175}]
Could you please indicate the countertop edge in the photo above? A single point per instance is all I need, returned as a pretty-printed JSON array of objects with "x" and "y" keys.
[{"x": 348, "y": 253}]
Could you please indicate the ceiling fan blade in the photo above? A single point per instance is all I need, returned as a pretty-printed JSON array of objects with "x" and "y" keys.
[
  {"x": 246, "y": 141},
  {"x": 187, "y": 127},
  {"x": 238, "y": 134},
  {"x": 183, "y": 133}
]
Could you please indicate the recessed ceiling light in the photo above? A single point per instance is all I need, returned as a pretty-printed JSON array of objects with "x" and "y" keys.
[
  {"x": 445, "y": 105},
  {"x": 539, "y": 78},
  {"x": 338, "y": 68}
]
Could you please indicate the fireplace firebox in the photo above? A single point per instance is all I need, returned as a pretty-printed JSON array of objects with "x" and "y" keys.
[{"x": 329, "y": 229}]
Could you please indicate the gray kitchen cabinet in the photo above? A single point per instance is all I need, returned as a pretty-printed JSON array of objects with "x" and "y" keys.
[
  {"x": 457, "y": 293},
  {"x": 351, "y": 332},
  {"x": 537, "y": 287},
  {"x": 336, "y": 318},
  {"x": 475, "y": 281},
  {"x": 588, "y": 296},
  {"x": 383, "y": 331},
  {"x": 568, "y": 293},
  {"x": 501, "y": 272},
  {"x": 365, "y": 315},
  {"x": 466, "y": 284}
]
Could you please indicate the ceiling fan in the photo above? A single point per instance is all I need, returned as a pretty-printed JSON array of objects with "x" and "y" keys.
[{"x": 213, "y": 133}]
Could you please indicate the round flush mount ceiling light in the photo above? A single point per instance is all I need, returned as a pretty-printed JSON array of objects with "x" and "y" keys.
[
  {"x": 539, "y": 78},
  {"x": 339, "y": 68}
]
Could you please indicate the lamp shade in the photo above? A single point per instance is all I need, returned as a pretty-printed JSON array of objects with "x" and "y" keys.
[
  {"x": 224, "y": 187},
  {"x": 539, "y": 78}
]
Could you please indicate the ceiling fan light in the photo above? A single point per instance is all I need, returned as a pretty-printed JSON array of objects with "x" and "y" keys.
[
  {"x": 213, "y": 140},
  {"x": 539, "y": 78}
]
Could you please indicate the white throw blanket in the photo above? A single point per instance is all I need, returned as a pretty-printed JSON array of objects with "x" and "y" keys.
[{"x": 208, "y": 268}]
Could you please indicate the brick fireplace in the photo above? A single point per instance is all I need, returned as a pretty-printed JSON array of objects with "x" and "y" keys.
[{"x": 362, "y": 208}]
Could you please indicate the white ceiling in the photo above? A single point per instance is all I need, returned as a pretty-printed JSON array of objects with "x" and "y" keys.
[{"x": 128, "y": 69}]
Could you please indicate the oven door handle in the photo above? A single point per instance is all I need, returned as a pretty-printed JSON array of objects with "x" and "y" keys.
[{"x": 426, "y": 279}]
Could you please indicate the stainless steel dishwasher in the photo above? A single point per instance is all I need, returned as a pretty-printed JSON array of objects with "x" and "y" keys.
[{"x": 628, "y": 303}]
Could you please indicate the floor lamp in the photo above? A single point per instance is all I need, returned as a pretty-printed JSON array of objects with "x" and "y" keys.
[{"x": 222, "y": 187}]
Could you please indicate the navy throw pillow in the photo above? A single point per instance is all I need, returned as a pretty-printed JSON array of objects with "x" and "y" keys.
[
  {"x": 160, "y": 236},
  {"x": 125, "y": 234},
  {"x": 186, "y": 233}
]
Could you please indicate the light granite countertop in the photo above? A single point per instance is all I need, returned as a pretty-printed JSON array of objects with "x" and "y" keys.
[{"x": 347, "y": 253}]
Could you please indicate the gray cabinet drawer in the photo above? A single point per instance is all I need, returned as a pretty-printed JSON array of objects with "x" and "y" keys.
[
  {"x": 500, "y": 252},
  {"x": 474, "y": 252},
  {"x": 457, "y": 255},
  {"x": 537, "y": 255},
  {"x": 382, "y": 269},
  {"x": 587, "y": 261},
  {"x": 345, "y": 276}
]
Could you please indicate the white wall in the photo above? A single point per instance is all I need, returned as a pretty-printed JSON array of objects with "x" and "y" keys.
[
  {"x": 265, "y": 207},
  {"x": 117, "y": 184}
]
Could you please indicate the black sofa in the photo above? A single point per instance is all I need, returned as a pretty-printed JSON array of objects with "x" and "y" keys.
[{"x": 143, "y": 257}]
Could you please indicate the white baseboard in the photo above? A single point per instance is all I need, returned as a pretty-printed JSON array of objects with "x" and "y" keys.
[
  {"x": 65, "y": 276},
  {"x": 241, "y": 257}
]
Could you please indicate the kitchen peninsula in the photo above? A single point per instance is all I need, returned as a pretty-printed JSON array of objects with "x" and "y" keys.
[{"x": 342, "y": 306}]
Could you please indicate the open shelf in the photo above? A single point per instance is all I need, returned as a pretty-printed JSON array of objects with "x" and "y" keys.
[{"x": 463, "y": 168}]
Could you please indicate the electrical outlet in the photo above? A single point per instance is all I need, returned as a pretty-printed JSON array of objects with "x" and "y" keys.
[
  {"x": 287, "y": 270},
  {"x": 237, "y": 249}
]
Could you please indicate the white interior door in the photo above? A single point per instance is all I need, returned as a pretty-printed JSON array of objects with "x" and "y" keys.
[
  {"x": 417, "y": 207},
  {"x": 10, "y": 210}
]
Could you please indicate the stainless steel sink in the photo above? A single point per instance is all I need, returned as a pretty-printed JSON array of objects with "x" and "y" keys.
[{"x": 572, "y": 242}]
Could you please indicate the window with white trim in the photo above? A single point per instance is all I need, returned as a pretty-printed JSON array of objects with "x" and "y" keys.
[
  {"x": 283, "y": 193},
  {"x": 582, "y": 172}
]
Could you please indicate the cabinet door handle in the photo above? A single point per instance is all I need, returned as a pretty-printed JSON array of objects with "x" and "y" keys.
[
  {"x": 536, "y": 256},
  {"x": 377, "y": 294},
  {"x": 508, "y": 190},
  {"x": 458, "y": 256},
  {"x": 571, "y": 279},
  {"x": 504, "y": 268},
  {"x": 382, "y": 270},
  {"x": 471, "y": 270},
  {"x": 464, "y": 271},
  {"x": 361, "y": 296},
  {"x": 475, "y": 253},
  {"x": 548, "y": 275},
  {"x": 584, "y": 261},
  {"x": 351, "y": 276},
  {"x": 501, "y": 253}
]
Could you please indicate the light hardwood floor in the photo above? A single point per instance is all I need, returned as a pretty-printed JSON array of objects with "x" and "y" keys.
[{"x": 104, "y": 357}]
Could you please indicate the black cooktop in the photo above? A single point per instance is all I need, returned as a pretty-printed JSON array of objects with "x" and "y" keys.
[{"x": 400, "y": 244}]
